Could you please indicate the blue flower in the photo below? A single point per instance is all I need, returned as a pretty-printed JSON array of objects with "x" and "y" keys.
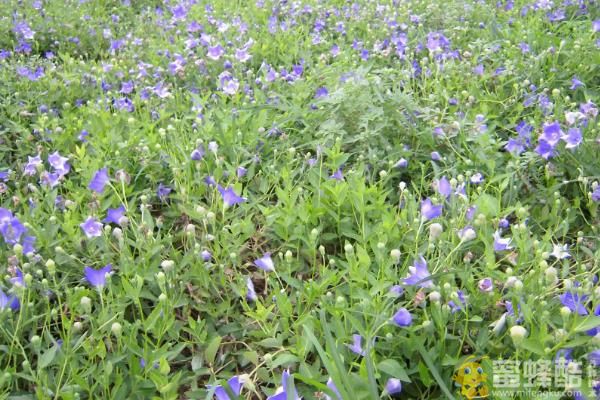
[
  {"x": 575, "y": 302},
  {"x": 114, "y": 215},
  {"x": 230, "y": 198},
  {"x": 337, "y": 175},
  {"x": 334, "y": 389},
  {"x": 282, "y": 392},
  {"x": 198, "y": 153},
  {"x": 419, "y": 274},
  {"x": 91, "y": 227},
  {"x": 235, "y": 385},
  {"x": 251, "y": 293},
  {"x": 163, "y": 191},
  {"x": 99, "y": 180},
  {"x": 97, "y": 277},
  {"x": 265, "y": 263},
  {"x": 501, "y": 244},
  {"x": 11, "y": 301},
  {"x": 430, "y": 211},
  {"x": 596, "y": 330},
  {"x": 356, "y": 346},
  {"x": 455, "y": 307},
  {"x": 393, "y": 386},
  {"x": 402, "y": 318}
]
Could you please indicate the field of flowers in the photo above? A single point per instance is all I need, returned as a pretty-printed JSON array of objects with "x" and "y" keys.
[{"x": 317, "y": 199}]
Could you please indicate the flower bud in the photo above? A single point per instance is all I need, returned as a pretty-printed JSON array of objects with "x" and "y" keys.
[
  {"x": 395, "y": 254},
  {"x": 518, "y": 334},
  {"x": 435, "y": 230},
  {"x": 435, "y": 296},
  {"x": 86, "y": 304},
  {"x": 116, "y": 329},
  {"x": 167, "y": 265}
]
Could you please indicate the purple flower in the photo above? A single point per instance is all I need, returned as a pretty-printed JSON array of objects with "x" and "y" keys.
[
  {"x": 573, "y": 138},
  {"x": 486, "y": 285},
  {"x": 18, "y": 280},
  {"x": 552, "y": 133},
  {"x": 477, "y": 178},
  {"x": 321, "y": 93},
  {"x": 596, "y": 194},
  {"x": 435, "y": 156},
  {"x": 443, "y": 187},
  {"x": 32, "y": 164},
  {"x": 241, "y": 171},
  {"x": 10, "y": 227},
  {"x": 163, "y": 191},
  {"x": 419, "y": 274},
  {"x": 576, "y": 83},
  {"x": 356, "y": 346},
  {"x": 337, "y": 175},
  {"x": 510, "y": 310},
  {"x": 198, "y": 153},
  {"x": 114, "y": 215},
  {"x": 334, "y": 389},
  {"x": 544, "y": 149},
  {"x": 242, "y": 55},
  {"x": 210, "y": 181},
  {"x": 251, "y": 293},
  {"x": 97, "y": 277},
  {"x": 430, "y": 211},
  {"x": 563, "y": 357},
  {"x": 206, "y": 256},
  {"x": 393, "y": 386},
  {"x": 397, "y": 290},
  {"x": 265, "y": 263},
  {"x": 596, "y": 330},
  {"x": 99, "y": 180},
  {"x": 91, "y": 227},
  {"x": 501, "y": 244},
  {"x": 215, "y": 52},
  {"x": 235, "y": 384},
  {"x": 11, "y": 301},
  {"x": 402, "y": 318},
  {"x": 402, "y": 163},
  {"x": 596, "y": 26},
  {"x": 462, "y": 301},
  {"x": 282, "y": 392},
  {"x": 228, "y": 84},
  {"x": 574, "y": 302},
  {"x": 59, "y": 163},
  {"x": 594, "y": 358},
  {"x": 230, "y": 198}
]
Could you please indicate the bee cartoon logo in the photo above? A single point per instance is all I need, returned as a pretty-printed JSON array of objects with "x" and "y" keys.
[{"x": 471, "y": 380}]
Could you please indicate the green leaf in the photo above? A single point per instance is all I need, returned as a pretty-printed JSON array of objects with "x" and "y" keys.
[
  {"x": 487, "y": 205},
  {"x": 534, "y": 346},
  {"x": 394, "y": 369},
  {"x": 47, "y": 358},
  {"x": 211, "y": 350},
  {"x": 587, "y": 323},
  {"x": 284, "y": 359},
  {"x": 196, "y": 363},
  {"x": 433, "y": 370}
]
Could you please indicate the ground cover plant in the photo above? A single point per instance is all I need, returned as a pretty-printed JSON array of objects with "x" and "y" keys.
[{"x": 282, "y": 199}]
